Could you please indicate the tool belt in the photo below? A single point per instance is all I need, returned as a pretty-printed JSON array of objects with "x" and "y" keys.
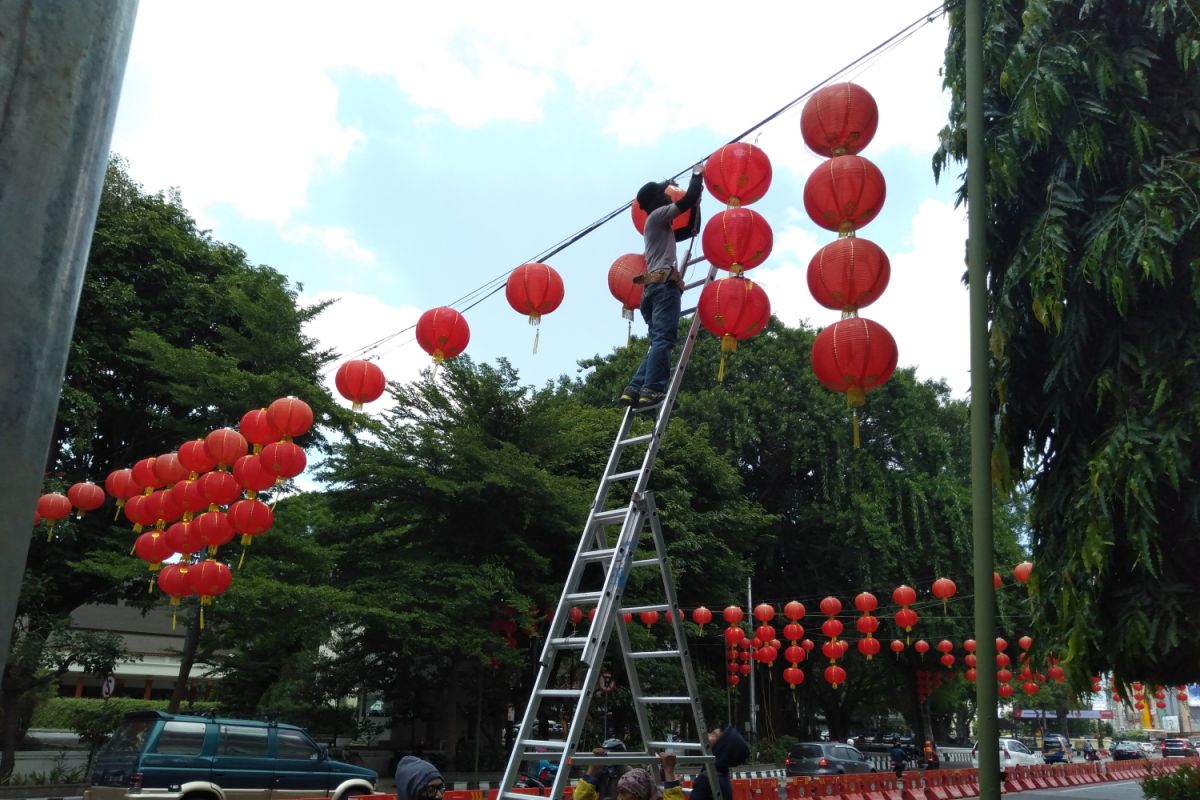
[{"x": 661, "y": 276}]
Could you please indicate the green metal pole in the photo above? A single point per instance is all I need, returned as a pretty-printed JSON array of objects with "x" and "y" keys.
[{"x": 981, "y": 429}]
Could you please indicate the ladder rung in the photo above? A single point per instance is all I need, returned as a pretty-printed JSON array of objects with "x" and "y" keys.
[
  {"x": 611, "y": 515},
  {"x": 568, "y": 693},
  {"x": 569, "y": 642},
  {"x": 645, "y": 437},
  {"x": 687, "y": 311},
  {"x": 645, "y": 562},
  {"x": 624, "y": 476},
  {"x": 551, "y": 744},
  {"x": 597, "y": 555},
  {"x": 694, "y": 284},
  {"x": 513, "y": 796},
  {"x": 666, "y": 700},
  {"x": 675, "y": 745},
  {"x": 644, "y": 654},
  {"x": 640, "y": 609},
  {"x": 586, "y": 598}
]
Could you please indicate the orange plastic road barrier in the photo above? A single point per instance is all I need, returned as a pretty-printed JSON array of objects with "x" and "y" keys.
[
  {"x": 459, "y": 794},
  {"x": 935, "y": 786},
  {"x": 853, "y": 787},
  {"x": 893, "y": 787},
  {"x": 912, "y": 787},
  {"x": 872, "y": 786},
  {"x": 741, "y": 789},
  {"x": 952, "y": 782}
]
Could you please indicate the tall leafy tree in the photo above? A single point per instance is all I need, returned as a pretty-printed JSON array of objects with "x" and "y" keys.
[
  {"x": 1093, "y": 160},
  {"x": 176, "y": 334}
]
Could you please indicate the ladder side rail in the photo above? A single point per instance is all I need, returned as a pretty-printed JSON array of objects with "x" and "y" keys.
[
  {"x": 614, "y": 458},
  {"x": 617, "y": 575},
  {"x": 635, "y": 687},
  {"x": 575, "y": 729}
]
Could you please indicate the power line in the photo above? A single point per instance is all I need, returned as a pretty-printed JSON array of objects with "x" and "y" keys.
[{"x": 494, "y": 285}]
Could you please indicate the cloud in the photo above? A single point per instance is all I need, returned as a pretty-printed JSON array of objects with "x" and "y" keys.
[{"x": 335, "y": 241}]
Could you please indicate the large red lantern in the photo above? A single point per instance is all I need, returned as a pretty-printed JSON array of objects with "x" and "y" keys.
[
  {"x": 764, "y": 612},
  {"x": 835, "y": 675},
  {"x": 121, "y": 485},
  {"x": 848, "y": 274},
  {"x": 733, "y": 309},
  {"x": 738, "y": 174},
  {"x": 680, "y": 222},
  {"x": 921, "y": 646},
  {"x": 844, "y": 193},
  {"x": 1025, "y": 642},
  {"x": 214, "y": 529},
  {"x": 145, "y": 475},
  {"x": 359, "y": 382},
  {"x": 839, "y": 119},
  {"x": 210, "y": 578},
  {"x": 869, "y": 647},
  {"x": 185, "y": 538},
  {"x": 164, "y": 506},
  {"x": 854, "y": 356},
  {"x": 867, "y": 624},
  {"x": 250, "y": 518},
  {"x": 252, "y": 475},
  {"x": 904, "y": 595},
  {"x": 732, "y": 614},
  {"x": 831, "y": 606},
  {"x": 220, "y": 488},
  {"x": 175, "y": 582},
  {"x": 943, "y": 589},
  {"x": 256, "y": 427},
  {"x": 794, "y": 610},
  {"x": 291, "y": 416},
  {"x": 85, "y": 497},
  {"x": 443, "y": 333},
  {"x": 734, "y": 634},
  {"x": 621, "y": 283},
  {"x": 906, "y": 618},
  {"x": 1005, "y": 690},
  {"x": 865, "y": 602},
  {"x": 53, "y": 507},
  {"x": 897, "y": 647},
  {"x": 224, "y": 446},
  {"x": 701, "y": 616},
  {"x": 191, "y": 497},
  {"x": 195, "y": 458},
  {"x": 534, "y": 289},
  {"x": 737, "y": 239},
  {"x": 793, "y": 676},
  {"x": 153, "y": 548},
  {"x": 170, "y": 469},
  {"x": 1022, "y": 571},
  {"x": 283, "y": 459}
]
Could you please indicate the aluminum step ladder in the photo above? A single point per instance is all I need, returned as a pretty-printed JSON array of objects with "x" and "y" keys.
[{"x": 609, "y": 544}]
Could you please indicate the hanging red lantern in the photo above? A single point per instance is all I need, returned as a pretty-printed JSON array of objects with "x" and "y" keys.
[
  {"x": 969, "y": 645},
  {"x": 765, "y": 633},
  {"x": 793, "y": 631},
  {"x": 283, "y": 459},
  {"x": 443, "y": 333},
  {"x": 794, "y": 610},
  {"x": 1002, "y": 660},
  {"x": 795, "y": 654},
  {"x": 250, "y": 518},
  {"x": 969, "y": 673},
  {"x": 1030, "y": 688},
  {"x": 145, "y": 475},
  {"x": 195, "y": 458},
  {"x": 848, "y": 274},
  {"x": 733, "y": 680},
  {"x": 1003, "y": 675},
  {"x": 831, "y": 628},
  {"x": 164, "y": 506},
  {"x": 906, "y": 618},
  {"x": 869, "y": 647},
  {"x": 996, "y": 580},
  {"x": 257, "y": 428},
  {"x": 648, "y": 618},
  {"x": 733, "y": 309},
  {"x": 1057, "y": 673},
  {"x": 738, "y": 174},
  {"x": 904, "y": 595},
  {"x": 921, "y": 646},
  {"x": 1005, "y": 691},
  {"x": 224, "y": 446},
  {"x": 214, "y": 529},
  {"x": 153, "y": 548},
  {"x": 210, "y": 578},
  {"x": 252, "y": 475},
  {"x": 190, "y": 497},
  {"x": 220, "y": 488},
  {"x": 854, "y": 356},
  {"x": 764, "y": 612},
  {"x": 85, "y": 497},
  {"x": 969, "y": 659},
  {"x": 838, "y": 119},
  {"x": 768, "y": 653},
  {"x": 360, "y": 382},
  {"x": 169, "y": 469},
  {"x": 865, "y": 602},
  {"x": 1022, "y": 571},
  {"x": 732, "y": 614},
  {"x": 945, "y": 646},
  {"x": 534, "y": 289},
  {"x": 121, "y": 485},
  {"x": 1001, "y": 644},
  {"x": 53, "y": 507},
  {"x": 175, "y": 582},
  {"x": 291, "y": 416},
  {"x": 831, "y": 606},
  {"x": 844, "y": 193},
  {"x": 793, "y": 676},
  {"x": 737, "y": 239},
  {"x": 621, "y": 283},
  {"x": 575, "y": 615},
  {"x": 702, "y": 616},
  {"x": 867, "y": 625},
  {"x": 897, "y": 647},
  {"x": 831, "y": 650},
  {"x": 835, "y": 675},
  {"x": 137, "y": 512},
  {"x": 185, "y": 538},
  {"x": 733, "y": 634},
  {"x": 679, "y": 223},
  {"x": 947, "y": 660},
  {"x": 943, "y": 589},
  {"x": 1025, "y": 642}
]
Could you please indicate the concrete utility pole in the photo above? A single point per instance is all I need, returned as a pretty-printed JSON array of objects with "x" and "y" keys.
[
  {"x": 981, "y": 429},
  {"x": 61, "y": 65}
]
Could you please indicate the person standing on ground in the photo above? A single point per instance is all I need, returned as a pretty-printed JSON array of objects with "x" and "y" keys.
[
  {"x": 899, "y": 757},
  {"x": 729, "y": 750},
  {"x": 634, "y": 784},
  {"x": 664, "y": 288},
  {"x": 417, "y": 779}
]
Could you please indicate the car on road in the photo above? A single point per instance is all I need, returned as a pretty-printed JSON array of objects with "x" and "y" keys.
[
  {"x": 1012, "y": 753},
  {"x": 1178, "y": 748},
  {"x": 1149, "y": 748},
  {"x": 1124, "y": 751},
  {"x": 1056, "y": 748},
  {"x": 153, "y": 754},
  {"x": 825, "y": 758}
]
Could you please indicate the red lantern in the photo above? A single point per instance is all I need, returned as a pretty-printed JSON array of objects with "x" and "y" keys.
[
  {"x": 996, "y": 580},
  {"x": 848, "y": 274},
  {"x": 733, "y": 680},
  {"x": 291, "y": 416},
  {"x": 765, "y": 633},
  {"x": 1030, "y": 688},
  {"x": 256, "y": 427},
  {"x": 969, "y": 659},
  {"x": 869, "y": 647},
  {"x": 220, "y": 488},
  {"x": 1001, "y": 644},
  {"x": 831, "y": 628},
  {"x": 1002, "y": 660},
  {"x": 1025, "y": 642},
  {"x": 1057, "y": 673},
  {"x": 737, "y": 239},
  {"x": 648, "y": 618},
  {"x": 144, "y": 474},
  {"x": 866, "y": 624},
  {"x": 831, "y": 650},
  {"x": 195, "y": 458},
  {"x": 190, "y": 497},
  {"x": 839, "y": 119},
  {"x": 835, "y": 675},
  {"x": 620, "y": 282},
  {"x": 169, "y": 469},
  {"x": 185, "y": 538},
  {"x": 137, "y": 512},
  {"x": 921, "y": 646},
  {"x": 768, "y": 654},
  {"x": 904, "y": 595},
  {"x": 943, "y": 589},
  {"x": 906, "y": 618},
  {"x": 214, "y": 529},
  {"x": 831, "y": 606},
  {"x": 947, "y": 660},
  {"x": 854, "y": 356},
  {"x": 153, "y": 548},
  {"x": 53, "y": 506},
  {"x": 733, "y": 635},
  {"x": 1022, "y": 571},
  {"x": 793, "y": 676},
  {"x": 250, "y": 518},
  {"x": 1003, "y": 675},
  {"x": 121, "y": 485},
  {"x": 85, "y": 497},
  {"x": 969, "y": 674},
  {"x": 679, "y": 223},
  {"x": 733, "y": 309},
  {"x": 251, "y": 475},
  {"x": 164, "y": 506},
  {"x": 808, "y": 645},
  {"x": 969, "y": 645},
  {"x": 738, "y": 174},
  {"x": 224, "y": 446},
  {"x": 794, "y": 611},
  {"x": 575, "y": 615},
  {"x": 795, "y": 654},
  {"x": 359, "y": 382},
  {"x": 283, "y": 459},
  {"x": 897, "y": 647},
  {"x": 443, "y": 333},
  {"x": 210, "y": 578},
  {"x": 793, "y": 631},
  {"x": 844, "y": 193},
  {"x": 1005, "y": 691},
  {"x": 701, "y": 616},
  {"x": 865, "y": 602},
  {"x": 764, "y": 612},
  {"x": 534, "y": 289},
  {"x": 732, "y": 614},
  {"x": 174, "y": 582}
]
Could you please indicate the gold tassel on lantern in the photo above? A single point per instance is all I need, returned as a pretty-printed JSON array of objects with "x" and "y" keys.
[
  {"x": 728, "y": 345},
  {"x": 855, "y": 397}
]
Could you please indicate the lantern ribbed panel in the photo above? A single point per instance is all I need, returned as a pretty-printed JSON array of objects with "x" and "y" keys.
[
  {"x": 251, "y": 474},
  {"x": 738, "y": 174},
  {"x": 291, "y": 416},
  {"x": 839, "y": 119},
  {"x": 120, "y": 484},
  {"x": 214, "y": 528},
  {"x": 220, "y": 488},
  {"x": 359, "y": 382},
  {"x": 844, "y": 193},
  {"x": 194, "y": 457},
  {"x": 144, "y": 474},
  {"x": 185, "y": 537},
  {"x": 620, "y": 280},
  {"x": 190, "y": 495},
  {"x": 443, "y": 333},
  {"x": 224, "y": 446},
  {"x": 848, "y": 274},
  {"x": 169, "y": 469},
  {"x": 534, "y": 289},
  {"x": 174, "y": 580},
  {"x": 854, "y": 356},
  {"x": 679, "y": 223},
  {"x": 153, "y": 548},
  {"x": 210, "y": 577},
  {"x": 85, "y": 496},
  {"x": 734, "y": 307},
  {"x": 737, "y": 239},
  {"x": 256, "y": 427},
  {"x": 53, "y": 506},
  {"x": 283, "y": 459}
]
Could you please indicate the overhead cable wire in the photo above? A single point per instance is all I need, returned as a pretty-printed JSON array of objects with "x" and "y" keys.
[{"x": 494, "y": 285}]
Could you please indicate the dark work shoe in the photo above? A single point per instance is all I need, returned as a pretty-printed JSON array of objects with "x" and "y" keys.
[
  {"x": 629, "y": 396},
  {"x": 650, "y": 398}
]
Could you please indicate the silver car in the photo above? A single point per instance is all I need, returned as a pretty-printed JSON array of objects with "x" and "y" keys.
[{"x": 1012, "y": 753}]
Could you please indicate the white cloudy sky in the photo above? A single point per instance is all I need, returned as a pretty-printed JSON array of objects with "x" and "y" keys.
[{"x": 399, "y": 156}]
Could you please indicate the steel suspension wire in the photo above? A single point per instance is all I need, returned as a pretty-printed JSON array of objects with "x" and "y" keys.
[{"x": 494, "y": 285}]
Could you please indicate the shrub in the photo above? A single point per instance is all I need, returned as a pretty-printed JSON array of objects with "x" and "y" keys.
[
  {"x": 94, "y": 719},
  {"x": 1181, "y": 784}
]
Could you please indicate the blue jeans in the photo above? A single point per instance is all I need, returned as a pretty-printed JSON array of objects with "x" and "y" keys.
[{"x": 660, "y": 309}]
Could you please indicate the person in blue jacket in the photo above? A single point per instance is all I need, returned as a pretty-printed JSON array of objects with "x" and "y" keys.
[
  {"x": 729, "y": 750},
  {"x": 417, "y": 779}
]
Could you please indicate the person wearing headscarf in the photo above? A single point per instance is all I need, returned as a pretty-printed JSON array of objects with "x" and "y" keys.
[
  {"x": 729, "y": 750},
  {"x": 417, "y": 779},
  {"x": 635, "y": 783}
]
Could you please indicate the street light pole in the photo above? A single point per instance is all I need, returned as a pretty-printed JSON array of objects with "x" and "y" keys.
[{"x": 61, "y": 64}]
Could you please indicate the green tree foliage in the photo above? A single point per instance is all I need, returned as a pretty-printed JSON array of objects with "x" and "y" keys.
[
  {"x": 1093, "y": 159},
  {"x": 176, "y": 335}
]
